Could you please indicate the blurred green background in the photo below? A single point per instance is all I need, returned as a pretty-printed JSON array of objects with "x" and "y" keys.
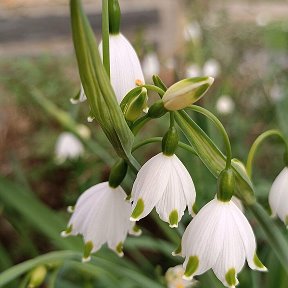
[{"x": 245, "y": 44}]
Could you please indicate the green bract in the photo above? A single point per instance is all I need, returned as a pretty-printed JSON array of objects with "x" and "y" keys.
[{"x": 186, "y": 92}]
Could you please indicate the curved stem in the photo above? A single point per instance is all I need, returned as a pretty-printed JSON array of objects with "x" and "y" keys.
[
  {"x": 159, "y": 139},
  {"x": 259, "y": 140},
  {"x": 138, "y": 124},
  {"x": 105, "y": 36},
  {"x": 220, "y": 127},
  {"x": 153, "y": 88}
]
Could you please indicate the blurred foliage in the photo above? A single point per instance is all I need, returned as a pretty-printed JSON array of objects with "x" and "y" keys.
[{"x": 35, "y": 191}]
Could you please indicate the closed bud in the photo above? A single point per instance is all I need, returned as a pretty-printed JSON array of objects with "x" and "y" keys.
[
  {"x": 170, "y": 142},
  {"x": 118, "y": 173},
  {"x": 226, "y": 185},
  {"x": 136, "y": 106},
  {"x": 37, "y": 276},
  {"x": 186, "y": 92},
  {"x": 157, "y": 110}
]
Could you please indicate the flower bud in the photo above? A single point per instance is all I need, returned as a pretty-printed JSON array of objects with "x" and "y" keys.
[
  {"x": 118, "y": 173},
  {"x": 37, "y": 276},
  {"x": 186, "y": 92},
  {"x": 136, "y": 106},
  {"x": 226, "y": 185},
  {"x": 157, "y": 110},
  {"x": 114, "y": 16},
  {"x": 170, "y": 142}
]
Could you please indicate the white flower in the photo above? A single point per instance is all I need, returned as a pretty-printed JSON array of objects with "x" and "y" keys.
[
  {"x": 192, "y": 31},
  {"x": 219, "y": 237},
  {"x": 68, "y": 147},
  {"x": 151, "y": 65},
  {"x": 193, "y": 70},
  {"x": 278, "y": 196},
  {"x": 211, "y": 68},
  {"x": 174, "y": 278},
  {"x": 164, "y": 182},
  {"x": 238, "y": 203},
  {"x": 125, "y": 68},
  {"x": 276, "y": 93},
  {"x": 101, "y": 215},
  {"x": 225, "y": 105}
]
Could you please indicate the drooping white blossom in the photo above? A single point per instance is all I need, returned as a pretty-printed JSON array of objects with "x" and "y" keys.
[
  {"x": 219, "y": 237},
  {"x": 192, "y": 31},
  {"x": 101, "y": 215},
  {"x": 212, "y": 68},
  {"x": 150, "y": 65},
  {"x": 193, "y": 70},
  {"x": 68, "y": 147},
  {"x": 125, "y": 67},
  {"x": 174, "y": 278},
  {"x": 278, "y": 196},
  {"x": 163, "y": 182},
  {"x": 225, "y": 105}
]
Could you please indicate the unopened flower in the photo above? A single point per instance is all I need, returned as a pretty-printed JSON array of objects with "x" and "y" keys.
[
  {"x": 150, "y": 65},
  {"x": 225, "y": 105},
  {"x": 68, "y": 147},
  {"x": 125, "y": 67},
  {"x": 163, "y": 182},
  {"x": 211, "y": 68},
  {"x": 278, "y": 196},
  {"x": 174, "y": 278},
  {"x": 101, "y": 215},
  {"x": 219, "y": 237}
]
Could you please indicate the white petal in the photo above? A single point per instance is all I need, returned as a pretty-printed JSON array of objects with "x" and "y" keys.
[
  {"x": 151, "y": 182},
  {"x": 208, "y": 224},
  {"x": 232, "y": 255},
  {"x": 279, "y": 192},
  {"x": 124, "y": 65}
]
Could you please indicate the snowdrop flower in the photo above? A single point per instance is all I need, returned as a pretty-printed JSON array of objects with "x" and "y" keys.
[
  {"x": 238, "y": 203},
  {"x": 68, "y": 147},
  {"x": 192, "y": 31},
  {"x": 278, "y": 196},
  {"x": 101, "y": 215},
  {"x": 225, "y": 105},
  {"x": 125, "y": 68},
  {"x": 174, "y": 278},
  {"x": 151, "y": 65},
  {"x": 193, "y": 70},
  {"x": 211, "y": 68},
  {"x": 164, "y": 182},
  {"x": 276, "y": 93},
  {"x": 219, "y": 237}
]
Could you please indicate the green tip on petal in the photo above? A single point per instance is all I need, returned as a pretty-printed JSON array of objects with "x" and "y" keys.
[
  {"x": 67, "y": 232},
  {"x": 119, "y": 249},
  {"x": 259, "y": 264},
  {"x": 87, "y": 251},
  {"x": 177, "y": 251},
  {"x": 136, "y": 230},
  {"x": 70, "y": 209},
  {"x": 230, "y": 277},
  {"x": 173, "y": 219},
  {"x": 191, "y": 268},
  {"x": 194, "y": 210},
  {"x": 138, "y": 210}
]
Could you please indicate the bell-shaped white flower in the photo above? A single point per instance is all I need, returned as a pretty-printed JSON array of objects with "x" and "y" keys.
[
  {"x": 225, "y": 105},
  {"x": 174, "y": 278},
  {"x": 68, "y": 147},
  {"x": 192, "y": 32},
  {"x": 101, "y": 215},
  {"x": 193, "y": 70},
  {"x": 212, "y": 68},
  {"x": 278, "y": 196},
  {"x": 151, "y": 65},
  {"x": 164, "y": 182},
  {"x": 219, "y": 237},
  {"x": 125, "y": 67}
]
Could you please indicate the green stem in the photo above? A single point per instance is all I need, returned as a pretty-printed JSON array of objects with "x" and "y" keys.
[
  {"x": 172, "y": 119},
  {"x": 154, "y": 88},
  {"x": 159, "y": 139},
  {"x": 138, "y": 124},
  {"x": 105, "y": 36},
  {"x": 260, "y": 139},
  {"x": 220, "y": 127}
]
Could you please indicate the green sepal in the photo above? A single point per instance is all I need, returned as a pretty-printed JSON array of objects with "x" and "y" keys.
[
  {"x": 118, "y": 173},
  {"x": 97, "y": 86},
  {"x": 213, "y": 158},
  {"x": 226, "y": 185},
  {"x": 114, "y": 16},
  {"x": 157, "y": 110},
  {"x": 170, "y": 142}
]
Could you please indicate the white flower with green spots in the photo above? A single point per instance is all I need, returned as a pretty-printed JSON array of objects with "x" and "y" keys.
[
  {"x": 163, "y": 182},
  {"x": 101, "y": 215},
  {"x": 278, "y": 196},
  {"x": 125, "y": 68},
  {"x": 219, "y": 237}
]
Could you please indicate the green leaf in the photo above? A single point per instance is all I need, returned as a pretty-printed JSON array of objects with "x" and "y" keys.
[{"x": 100, "y": 94}]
